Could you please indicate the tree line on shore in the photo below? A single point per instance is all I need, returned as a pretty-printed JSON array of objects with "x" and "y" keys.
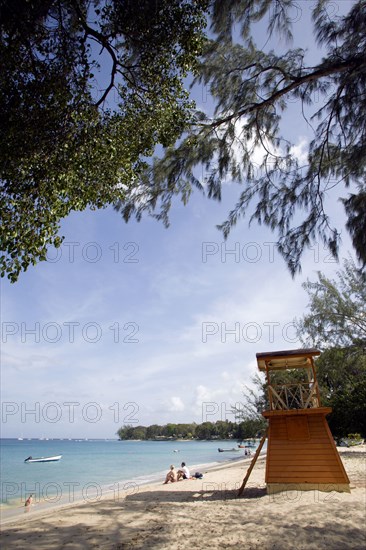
[{"x": 221, "y": 429}]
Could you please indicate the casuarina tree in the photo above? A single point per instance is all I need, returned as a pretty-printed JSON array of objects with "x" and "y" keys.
[{"x": 88, "y": 89}]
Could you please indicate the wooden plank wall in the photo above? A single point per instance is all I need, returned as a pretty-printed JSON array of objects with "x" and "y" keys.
[{"x": 302, "y": 450}]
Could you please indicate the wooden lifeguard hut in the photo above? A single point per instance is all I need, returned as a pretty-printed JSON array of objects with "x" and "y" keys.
[{"x": 301, "y": 453}]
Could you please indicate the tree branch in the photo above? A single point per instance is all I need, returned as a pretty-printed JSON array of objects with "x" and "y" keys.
[{"x": 321, "y": 72}]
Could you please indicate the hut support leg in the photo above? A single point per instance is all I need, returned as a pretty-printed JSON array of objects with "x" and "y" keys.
[{"x": 253, "y": 463}]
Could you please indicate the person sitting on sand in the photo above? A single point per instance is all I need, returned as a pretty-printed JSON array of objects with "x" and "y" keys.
[
  {"x": 183, "y": 473},
  {"x": 171, "y": 475}
]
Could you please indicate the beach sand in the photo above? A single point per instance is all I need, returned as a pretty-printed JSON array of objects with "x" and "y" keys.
[{"x": 205, "y": 513}]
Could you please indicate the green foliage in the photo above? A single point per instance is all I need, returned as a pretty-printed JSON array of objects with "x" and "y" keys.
[
  {"x": 249, "y": 428},
  {"x": 252, "y": 88},
  {"x": 87, "y": 90},
  {"x": 155, "y": 431},
  {"x": 336, "y": 323},
  {"x": 355, "y": 436},
  {"x": 337, "y": 316},
  {"x": 341, "y": 375}
]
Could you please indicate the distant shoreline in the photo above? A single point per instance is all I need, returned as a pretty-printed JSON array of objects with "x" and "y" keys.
[{"x": 168, "y": 439}]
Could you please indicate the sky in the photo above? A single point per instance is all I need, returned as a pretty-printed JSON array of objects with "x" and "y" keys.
[{"x": 140, "y": 324}]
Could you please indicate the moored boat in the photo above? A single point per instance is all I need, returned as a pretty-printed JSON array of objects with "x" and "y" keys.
[
  {"x": 43, "y": 459},
  {"x": 227, "y": 450}
]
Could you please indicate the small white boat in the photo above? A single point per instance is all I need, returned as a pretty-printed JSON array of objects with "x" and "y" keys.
[{"x": 43, "y": 459}]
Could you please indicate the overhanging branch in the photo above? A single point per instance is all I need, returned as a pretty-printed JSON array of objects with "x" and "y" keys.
[{"x": 357, "y": 63}]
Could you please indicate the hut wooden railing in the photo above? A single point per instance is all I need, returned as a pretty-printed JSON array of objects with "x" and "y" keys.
[{"x": 294, "y": 396}]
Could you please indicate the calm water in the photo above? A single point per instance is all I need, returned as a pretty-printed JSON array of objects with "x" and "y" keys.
[{"x": 90, "y": 469}]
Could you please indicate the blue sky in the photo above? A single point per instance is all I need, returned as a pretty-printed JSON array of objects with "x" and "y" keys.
[{"x": 134, "y": 323}]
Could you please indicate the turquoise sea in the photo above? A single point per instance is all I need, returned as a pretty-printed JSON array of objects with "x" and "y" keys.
[{"x": 90, "y": 469}]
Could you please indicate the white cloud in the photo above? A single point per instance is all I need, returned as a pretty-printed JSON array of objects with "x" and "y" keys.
[
  {"x": 175, "y": 404},
  {"x": 300, "y": 150},
  {"x": 167, "y": 407}
]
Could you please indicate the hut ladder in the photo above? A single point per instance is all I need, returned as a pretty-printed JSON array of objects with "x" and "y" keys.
[{"x": 253, "y": 463}]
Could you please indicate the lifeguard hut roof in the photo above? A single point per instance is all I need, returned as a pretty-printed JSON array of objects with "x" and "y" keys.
[{"x": 286, "y": 359}]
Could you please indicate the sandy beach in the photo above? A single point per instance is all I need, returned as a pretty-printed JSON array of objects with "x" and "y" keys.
[{"x": 204, "y": 514}]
